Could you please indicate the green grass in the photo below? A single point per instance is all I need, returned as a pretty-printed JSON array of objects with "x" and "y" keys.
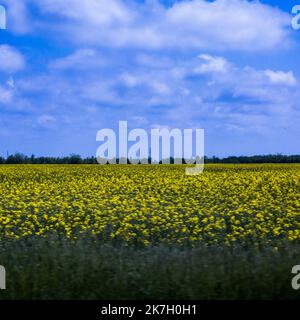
[{"x": 88, "y": 269}]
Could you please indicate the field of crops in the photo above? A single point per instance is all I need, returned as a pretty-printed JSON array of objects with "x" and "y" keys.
[
  {"x": 152, "y": 204},
  {"x": 149, "y": 231}
]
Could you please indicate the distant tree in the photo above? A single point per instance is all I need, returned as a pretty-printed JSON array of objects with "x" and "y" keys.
[
  {"x": 74, "y": 159},
  {"x": 19, "y": 158}
]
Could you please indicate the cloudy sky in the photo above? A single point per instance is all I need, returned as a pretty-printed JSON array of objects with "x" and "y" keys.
[{"x": 69, "y": 68}]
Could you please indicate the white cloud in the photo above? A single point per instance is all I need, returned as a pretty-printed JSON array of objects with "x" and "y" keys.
[
  {"x": 280, "y": 77},
  {"x": 155, "y": 81},
  {"x": 81, "y": 59},
  {"x": 6, "y": 95},
  {"x": 93, "y": 12},
  {"x": 11, "y": 83},
  {"x": 196, "y": 24},
  {"x": 212, "y": 65},
  {"x": 11, "y": 60},
  {"x": 130, "y": 80},
  {"x": 228, "y": 24}
]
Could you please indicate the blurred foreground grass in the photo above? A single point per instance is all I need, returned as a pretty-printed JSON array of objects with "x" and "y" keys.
[{"x": 87, "y": 269}]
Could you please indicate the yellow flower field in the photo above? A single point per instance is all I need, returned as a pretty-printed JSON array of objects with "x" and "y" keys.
[{"x": 148, "y": 204}]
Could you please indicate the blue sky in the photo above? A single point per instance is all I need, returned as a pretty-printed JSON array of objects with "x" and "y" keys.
[{"x": 69, "y": 68}]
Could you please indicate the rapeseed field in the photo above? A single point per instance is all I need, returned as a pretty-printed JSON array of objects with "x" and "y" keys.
[{"x": 152, "y": 204}]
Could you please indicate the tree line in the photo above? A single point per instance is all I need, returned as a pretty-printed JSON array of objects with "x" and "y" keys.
[{"x": 19, "y": 158}]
